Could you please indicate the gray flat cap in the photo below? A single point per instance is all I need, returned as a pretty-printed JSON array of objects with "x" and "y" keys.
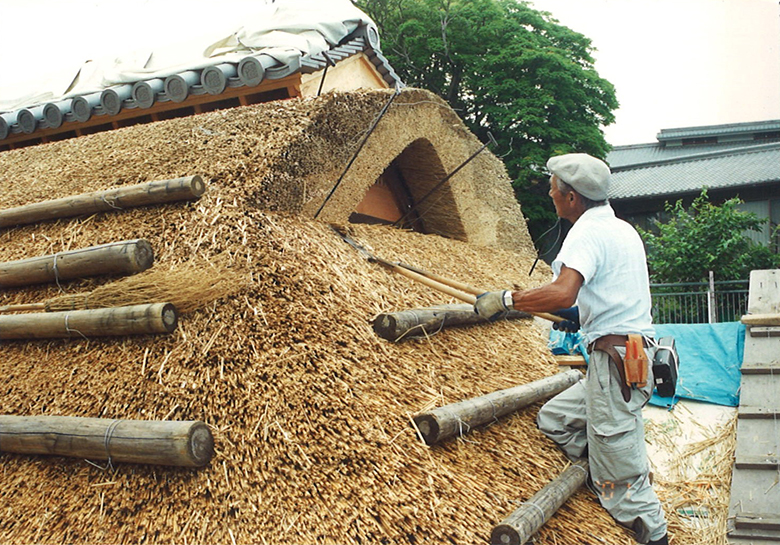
[{"x": 587, "y": 175}]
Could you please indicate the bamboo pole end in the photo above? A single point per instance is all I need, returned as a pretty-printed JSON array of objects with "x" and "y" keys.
[
  {"x": 197, "y": 186},
  {"x": 170, "y": 317},
  {"x": 201, "y": 444},
  {"x": 429, "y": 428},
  {"x": 504, "y": 534}
]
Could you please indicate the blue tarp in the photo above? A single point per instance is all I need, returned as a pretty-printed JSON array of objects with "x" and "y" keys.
[{"x": 710, "y": 360}]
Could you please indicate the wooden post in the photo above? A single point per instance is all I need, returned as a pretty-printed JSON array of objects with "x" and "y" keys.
[
  {"x": 132, "y": 320},
  {"x": 459, "y": 418},
  {"x": 394, "y": 326},
  {"x": 158, "y": 192},
  {"x": 187, "y": 444},
  {"x": 127, "y": 257},
  {"x": 518, "y": 527}
]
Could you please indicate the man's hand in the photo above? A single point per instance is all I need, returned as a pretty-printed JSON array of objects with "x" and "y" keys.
[
  {"x": 571, "y": 320},
  {"x": 492, "y": 304}
]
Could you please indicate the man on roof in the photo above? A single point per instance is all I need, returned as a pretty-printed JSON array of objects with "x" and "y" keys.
[{"x": 601, "y": 286}]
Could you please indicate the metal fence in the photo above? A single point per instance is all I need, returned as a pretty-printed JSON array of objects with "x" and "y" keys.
[{"x": 699, "y": 302}]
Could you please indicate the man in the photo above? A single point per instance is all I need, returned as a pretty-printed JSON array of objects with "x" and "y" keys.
[{"x": 602, "y": 269}]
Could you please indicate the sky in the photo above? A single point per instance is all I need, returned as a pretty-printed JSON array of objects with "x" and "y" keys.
[
  {"x": 674, "y": 63},
  {"x": 681, "y": 63}
]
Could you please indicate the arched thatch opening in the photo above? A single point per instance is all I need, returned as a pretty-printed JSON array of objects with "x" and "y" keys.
[{"x": 407, "y": 194}]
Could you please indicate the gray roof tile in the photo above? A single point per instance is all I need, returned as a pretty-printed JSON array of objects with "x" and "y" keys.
[{"x": 730, "y": 168}]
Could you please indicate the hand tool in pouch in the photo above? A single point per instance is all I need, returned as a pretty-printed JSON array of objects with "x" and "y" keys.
[{"x": 635, "y": 362}]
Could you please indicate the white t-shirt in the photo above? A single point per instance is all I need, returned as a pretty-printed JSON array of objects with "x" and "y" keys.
[{"x": 610, "y": 256}]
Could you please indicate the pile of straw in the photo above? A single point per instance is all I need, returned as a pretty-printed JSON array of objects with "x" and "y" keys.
[{"x": 310, "y": 410}]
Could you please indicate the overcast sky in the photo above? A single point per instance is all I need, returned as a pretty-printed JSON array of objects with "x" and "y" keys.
[
  {"x": 674, "y": 63},
  {"x": 681, "y": 63}
]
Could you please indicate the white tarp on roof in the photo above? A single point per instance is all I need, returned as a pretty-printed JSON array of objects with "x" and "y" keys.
[{"x": 282, "y": 30}]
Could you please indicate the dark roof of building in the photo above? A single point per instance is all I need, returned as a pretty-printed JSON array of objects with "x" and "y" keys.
[
  {"x": 214, "y": 80},
  {"x": 686, "y": 159}
]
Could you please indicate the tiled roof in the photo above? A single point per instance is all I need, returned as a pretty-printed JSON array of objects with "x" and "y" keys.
[
  {"x": 719, "y": 130},
  {"x": 640, "y": 154},
  {"x": 250, "y": 71},
  {"x": 751, "y": 165}
]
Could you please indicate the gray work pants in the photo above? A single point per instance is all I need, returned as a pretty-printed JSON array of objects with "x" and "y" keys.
[{"x": 593, "y": 414}]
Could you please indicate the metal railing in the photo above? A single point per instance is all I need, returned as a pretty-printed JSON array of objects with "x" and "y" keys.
[{"x": 699, "y": 302}]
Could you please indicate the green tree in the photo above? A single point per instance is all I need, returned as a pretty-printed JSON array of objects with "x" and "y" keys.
[
  {"x": 506, "y": 69},
  {"x": 706, "y": 237}
]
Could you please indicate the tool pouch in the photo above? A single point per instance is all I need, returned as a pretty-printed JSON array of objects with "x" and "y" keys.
[
  {"x": 665, "y": 366},
  {"x": 635, "y": 362}
]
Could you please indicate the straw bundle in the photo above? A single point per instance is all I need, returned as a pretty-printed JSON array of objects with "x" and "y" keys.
[
  {"x": 188, "y": 286},
  {"x": 696, "y": 486},
  {"x": 310, "y": 411}
]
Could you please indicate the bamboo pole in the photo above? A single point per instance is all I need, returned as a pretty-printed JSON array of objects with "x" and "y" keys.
[
  {"x": 453, "y": 288},
  {"x": 126, "y": 257},
  {"x": 157, "y": 192},
  {"x": 458, "y": 418},
  {"x": 186, "y": 443},
  {"x": 518, "y": 527},
  {"x": 131, "y": 320},
  {"x": 393, "y": 326}
]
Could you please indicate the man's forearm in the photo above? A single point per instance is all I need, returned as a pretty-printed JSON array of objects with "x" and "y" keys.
[{"x": 547, "y": 298}]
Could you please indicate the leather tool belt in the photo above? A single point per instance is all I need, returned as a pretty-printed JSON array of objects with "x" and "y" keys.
[{"x": 607, "y": 344}]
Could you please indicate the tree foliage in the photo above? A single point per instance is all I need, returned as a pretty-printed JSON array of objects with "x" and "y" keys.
[
  {"x": 704, "y": 238},
  {"x": 506, "y": 69}
]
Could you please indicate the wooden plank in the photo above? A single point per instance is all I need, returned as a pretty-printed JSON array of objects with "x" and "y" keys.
[
  {"x": 571, "y": 361},
  {"x": 758, "y": 521},
  {"x": 753, "y": 491},
  {"x": 748, "y": 536},
  {"x": 759, "y": 331},
  {"x": 761, "y": 319},
  {"x": 752, "y": 540},
  {"x": 758, "y": 412}
]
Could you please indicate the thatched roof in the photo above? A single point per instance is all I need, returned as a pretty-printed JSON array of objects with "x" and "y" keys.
[{"x": 310, "y": 409}]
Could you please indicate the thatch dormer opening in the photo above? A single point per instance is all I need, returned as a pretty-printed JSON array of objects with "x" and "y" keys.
[{"x": 406, "y": 193}]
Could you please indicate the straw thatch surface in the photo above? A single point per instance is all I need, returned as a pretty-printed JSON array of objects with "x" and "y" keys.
[{"x": 310, "y": 410}]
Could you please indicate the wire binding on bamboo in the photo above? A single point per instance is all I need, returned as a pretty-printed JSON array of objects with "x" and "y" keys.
[
  {"x": 524, "y": 522},
  {"x": 132, "y": 320},
  {"x": 184, "y": 443},
  {"x": 158, "y": 192},
  {"x": 126, "y": 257},
  {"x": 459, "y": 418}
]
